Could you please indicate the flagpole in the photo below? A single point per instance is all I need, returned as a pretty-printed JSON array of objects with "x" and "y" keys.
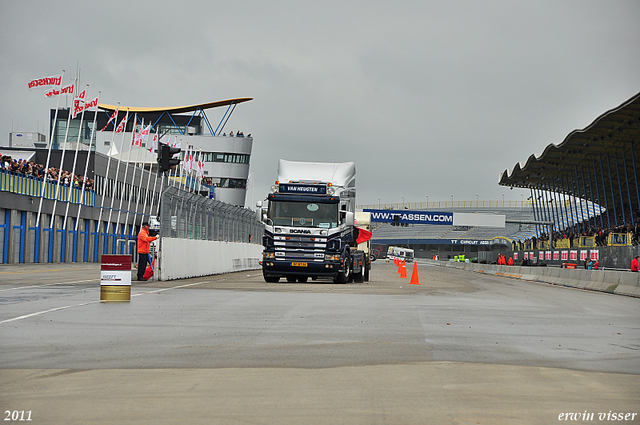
[
  {"x": 126, "y": 172},
  {"x": 73, "y": 169},
  {"x": 106, "y": 177},
  {"x": 200, "y": 171},
  {"x": 46, "y": 168},
  {"x": 153, "y": 147},
  {"x": 155, "y": 182},
  {"x": 64, "y": 149},
  {"x": 135, "y": 142},
  {"x": 115, "y": 188},
  {"x": 175, "y": 170},
  {"x": 86, "y": 166}
]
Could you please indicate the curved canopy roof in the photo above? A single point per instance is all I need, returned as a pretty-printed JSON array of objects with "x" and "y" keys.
[
  {"x": 177, "y": 109},
  {"x": 597, "y": 163}
]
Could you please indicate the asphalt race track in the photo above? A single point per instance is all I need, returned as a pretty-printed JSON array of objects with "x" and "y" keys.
[{"x": 461, "y": 348}]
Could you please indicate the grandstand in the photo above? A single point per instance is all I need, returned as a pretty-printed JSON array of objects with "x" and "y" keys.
[{"x": 586, "y": 187}]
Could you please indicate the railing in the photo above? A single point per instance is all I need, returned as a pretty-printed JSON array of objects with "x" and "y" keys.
[
  {"x": 446, "y": 204},
  {"x": 32, "y": 186},
  {"x": 619, "y": 239},
  {"x": 585, "y": 242}
]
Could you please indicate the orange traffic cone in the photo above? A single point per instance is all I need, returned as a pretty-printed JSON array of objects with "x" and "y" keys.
[
  {"x": 399, "y": 264},
  {"x": 415, "y": 280},
  {"x": 403, "y": 270}
]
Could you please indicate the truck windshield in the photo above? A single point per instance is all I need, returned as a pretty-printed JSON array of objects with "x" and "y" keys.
[{"x": 303, "y": 214}]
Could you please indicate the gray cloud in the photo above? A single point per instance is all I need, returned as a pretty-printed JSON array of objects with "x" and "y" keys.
[{"x": 429, "y": 98}]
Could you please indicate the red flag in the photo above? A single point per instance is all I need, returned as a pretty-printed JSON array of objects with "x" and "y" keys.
[{"x": 363, "y": 235}]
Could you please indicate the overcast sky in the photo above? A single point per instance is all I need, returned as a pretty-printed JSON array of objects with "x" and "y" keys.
[{"x": 429, "y": 98}]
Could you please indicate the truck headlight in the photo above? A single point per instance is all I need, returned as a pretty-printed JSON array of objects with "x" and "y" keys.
[
  {"x": 330, "y": 191},
  {"x": 274, "y": 188},
  {"x": 331, "y": 257},
  {"x": 269, "y": 255}
]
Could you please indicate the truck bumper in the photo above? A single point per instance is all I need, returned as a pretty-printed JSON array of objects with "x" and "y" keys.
[{"x": 284, "y": 268}]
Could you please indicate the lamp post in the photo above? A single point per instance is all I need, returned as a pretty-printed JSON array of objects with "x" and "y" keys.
[
  {"x": 452, "y": 200},
  {"x": 503, "y": 199},
  {"x": 378, "y": 202},
  {"x": 427, "y": 201},
  {"x": 477, "y": 201},
  {"x": 403, "y": 202}
]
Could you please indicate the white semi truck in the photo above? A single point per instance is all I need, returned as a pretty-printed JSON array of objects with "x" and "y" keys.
[{"x": 309, "y": 225}]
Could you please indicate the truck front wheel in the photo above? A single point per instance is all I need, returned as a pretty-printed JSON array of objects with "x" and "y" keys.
[{"x": 345, "y": 274}]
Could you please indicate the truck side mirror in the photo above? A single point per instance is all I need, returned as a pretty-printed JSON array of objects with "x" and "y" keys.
[{"x": 349, "y": 218}]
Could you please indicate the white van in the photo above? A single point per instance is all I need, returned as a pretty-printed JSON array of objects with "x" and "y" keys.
[{"x": 400, "y": 253}]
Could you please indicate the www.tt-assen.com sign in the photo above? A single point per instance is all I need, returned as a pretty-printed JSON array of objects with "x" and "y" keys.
[{"x": 411, "y": 217}]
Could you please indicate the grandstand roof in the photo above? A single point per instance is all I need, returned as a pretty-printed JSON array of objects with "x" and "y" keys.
[
  {"x": 177, "y": 109},
  {"x": 605, "y": 150}
]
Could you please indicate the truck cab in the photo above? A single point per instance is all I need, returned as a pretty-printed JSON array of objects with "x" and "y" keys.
[{"x": 309, "y": 224}]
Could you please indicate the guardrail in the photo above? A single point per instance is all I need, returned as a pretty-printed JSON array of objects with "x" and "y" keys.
[{"x": 32, "y": 186}]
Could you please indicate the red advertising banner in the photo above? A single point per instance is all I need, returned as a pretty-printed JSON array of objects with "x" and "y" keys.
[{"x": 116, "y": 262}]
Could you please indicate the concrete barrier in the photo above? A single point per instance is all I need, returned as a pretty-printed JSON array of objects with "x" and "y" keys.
[
  {"x": 611, "y": 281},
  {"x": 628, "y": 284},
  {"x": 185, "y": 258}
]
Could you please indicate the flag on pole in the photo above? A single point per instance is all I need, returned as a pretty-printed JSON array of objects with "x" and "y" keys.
[
  {"x": 154, "y": 143},
  {"x": 200, "y": 167},
  {"x": 78, "y": 103},
  {"x": 112, "y": 118},
  {"x": 187, "y": 159},
  {"x": 64, "y": 91},
  {"x": 142, "y": 136},
  {"x": 123, "y": 123},
  {"x": 46, "y": 82},
  {"x": 91, "y": 105}
]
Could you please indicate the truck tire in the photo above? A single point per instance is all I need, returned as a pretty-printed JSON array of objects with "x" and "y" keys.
[
  {"x": 359, "y": 276},
  {"x": 344, "y": 275},
  {"x": 291, "y": 279},
  {"x": 302, "y": 279},
  {"x": 366, "y": 273}
]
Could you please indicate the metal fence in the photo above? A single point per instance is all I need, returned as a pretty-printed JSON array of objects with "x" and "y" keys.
[{"x": 187, "y": 215}]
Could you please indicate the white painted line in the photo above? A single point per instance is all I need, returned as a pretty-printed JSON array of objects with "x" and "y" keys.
[
  {"x": 46, "y": 311},
  {"x": 49, "y": 284},
  {"x": 26, "y": 316}
]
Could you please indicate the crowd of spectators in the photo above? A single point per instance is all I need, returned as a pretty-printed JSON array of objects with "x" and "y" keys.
[
  {"x": 29, "y": 168},
  {"x": 600, "y": 234}
]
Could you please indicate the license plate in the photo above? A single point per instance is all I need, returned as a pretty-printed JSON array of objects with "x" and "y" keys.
[{"x": 299, "y": 264}]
